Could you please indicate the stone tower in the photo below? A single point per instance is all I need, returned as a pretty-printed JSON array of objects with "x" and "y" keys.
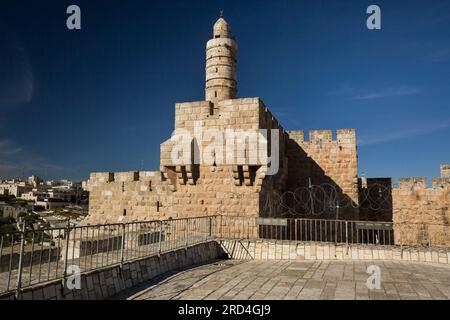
[
  {"x": 188, "y": 184},
  {"x": 221, "y": 61}
]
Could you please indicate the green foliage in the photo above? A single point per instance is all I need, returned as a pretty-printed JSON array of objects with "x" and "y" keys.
[
  {"x": 6, "y": 232},
  {"x": 30, "y": 220},
  {"x": 18, "y": 202},
  {"x": 13, "y": 201},
  {"x": 7, "y": 228}
]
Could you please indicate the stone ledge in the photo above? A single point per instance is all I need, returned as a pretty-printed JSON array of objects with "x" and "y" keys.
[{"x": 268, "y": 250}]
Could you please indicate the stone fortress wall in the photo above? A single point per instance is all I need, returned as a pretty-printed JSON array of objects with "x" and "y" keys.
[
  {"x": 241, "y": 188},
  {"x": 127, "y": 196},
  {"x": 415, "y": 202},
  {"x": 322, "y": 160},
  {"x": 190, "y": 189},
  {"x": 412, "y": 200}
]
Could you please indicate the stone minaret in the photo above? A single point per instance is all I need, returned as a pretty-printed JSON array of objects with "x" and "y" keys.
[{"x": 221, "y": 61}]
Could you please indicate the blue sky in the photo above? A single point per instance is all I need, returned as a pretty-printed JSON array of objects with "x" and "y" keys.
[{"x": 102, "y": 99}]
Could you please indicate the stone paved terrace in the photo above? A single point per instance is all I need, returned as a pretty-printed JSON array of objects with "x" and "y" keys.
[{"x": 312, "y": 280}]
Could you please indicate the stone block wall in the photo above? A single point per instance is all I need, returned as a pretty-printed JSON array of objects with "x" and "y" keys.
[
  {"x": 127, "y": 196},
  {"x": 426, "y": 210},
  {"x": 324, "y": 160},
  {"x": 224, "y": 187},
  {"x": 415, "y": 202}
]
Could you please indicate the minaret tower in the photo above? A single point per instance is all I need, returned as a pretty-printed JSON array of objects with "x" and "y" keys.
[{"x": 221, "y": 61}]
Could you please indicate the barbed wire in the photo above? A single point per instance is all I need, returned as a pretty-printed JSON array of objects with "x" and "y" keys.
[{"x": 326, "y": 200}]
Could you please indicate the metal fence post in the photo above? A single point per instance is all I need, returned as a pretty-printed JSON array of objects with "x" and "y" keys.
[
  {"x": 66, "y": 252},
  {"x": 20, "y": 267},
  {"x": 122, "y": 246},
  {"x": 346, "y": 233},
  {"x": 160, "y": 237},
  {"x": 220, "y": 227},
  {"x": 186, "y": 233},
  {"x": 210, "y": 227}
]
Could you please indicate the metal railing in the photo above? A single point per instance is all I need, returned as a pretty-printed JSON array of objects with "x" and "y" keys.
[
  {"x": 334, "y": 231},
  {"x": 29, "y": 257},
  {"x": 307, "y": 230}
]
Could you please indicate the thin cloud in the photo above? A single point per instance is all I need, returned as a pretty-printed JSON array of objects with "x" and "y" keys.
[
  {"x": 8, "y": 148},
  {"x": 17, "y": 162},
  {"x": 404, "y": 134},
  {"x": 438, "y": 14},
  {"x": 387, "y": 93},
  {"x": 441, "y": 55},
  {"x": 350, "y": 92},
  {"x": 343, "y": 89}
]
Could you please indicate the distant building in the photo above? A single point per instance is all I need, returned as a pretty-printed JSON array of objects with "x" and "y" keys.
[
  {"x": 51, "y": 203},
  {"x": 44, "y": 192},
  {"x": 14, "y": 188},
  {"x": 34, "y": 181},
  {"x": 9, "y": 211}
]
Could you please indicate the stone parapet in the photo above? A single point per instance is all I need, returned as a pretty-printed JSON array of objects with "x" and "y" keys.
[{"x": 289, "y": 250}]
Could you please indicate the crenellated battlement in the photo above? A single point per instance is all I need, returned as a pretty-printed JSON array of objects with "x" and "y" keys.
[
  {"x": 101, "y": 177},
  {"x": 343, "y": 136},
  {"x": 415, "y": 201},
  {"x": 127, "y": 176},
  {"x": 412, "y": 182},
  {"x": 421, "y": 183},
  {"x": 441, "y": 183}
]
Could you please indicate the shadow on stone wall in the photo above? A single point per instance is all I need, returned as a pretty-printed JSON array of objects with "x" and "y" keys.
[
  {"x": 309, "y": 192},
  {"x": 375, "y": 199}
]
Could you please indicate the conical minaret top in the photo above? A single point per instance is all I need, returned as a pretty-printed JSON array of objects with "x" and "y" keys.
[
  {"x": 221, "y": 61},
  {"x": 221, "y": 28}
]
